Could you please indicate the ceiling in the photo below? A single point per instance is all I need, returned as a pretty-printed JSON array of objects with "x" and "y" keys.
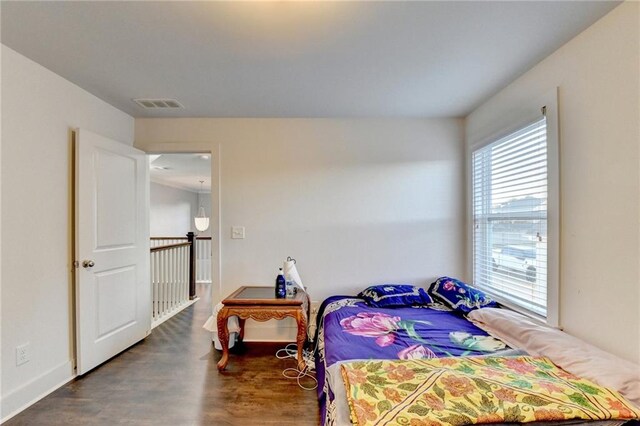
[
  {"x": 294, "y": 59},
  {"x": 183, "y": 171}
]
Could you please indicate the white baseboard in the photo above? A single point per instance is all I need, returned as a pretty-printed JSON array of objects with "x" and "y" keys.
[{"x": 33, "y": 391}]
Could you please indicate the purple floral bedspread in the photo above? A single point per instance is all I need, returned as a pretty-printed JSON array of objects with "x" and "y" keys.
[{"x": 350, "y": 329}]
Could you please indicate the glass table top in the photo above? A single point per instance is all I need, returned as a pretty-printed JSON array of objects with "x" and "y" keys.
[
  {"x": 256, "y": 293},
  {"x": 253, "y": 295}
]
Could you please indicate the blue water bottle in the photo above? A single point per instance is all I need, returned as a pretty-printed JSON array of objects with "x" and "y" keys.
[{"x": 281, "y": 286}]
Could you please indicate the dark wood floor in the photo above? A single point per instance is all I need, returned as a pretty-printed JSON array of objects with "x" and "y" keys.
[{"x": 171, "y": 379}]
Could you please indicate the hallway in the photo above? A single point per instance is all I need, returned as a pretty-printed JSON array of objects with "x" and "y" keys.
[{"x": 170, "y": 378}]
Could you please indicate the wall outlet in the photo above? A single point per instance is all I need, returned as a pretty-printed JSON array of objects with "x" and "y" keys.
[{"x": 23, "y": 354}]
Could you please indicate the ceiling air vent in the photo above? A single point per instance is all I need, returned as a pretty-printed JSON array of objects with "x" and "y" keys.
[{"x": 158, "y": 103}]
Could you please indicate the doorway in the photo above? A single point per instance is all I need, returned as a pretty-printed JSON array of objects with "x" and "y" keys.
[{"x": 180, "y": 222}]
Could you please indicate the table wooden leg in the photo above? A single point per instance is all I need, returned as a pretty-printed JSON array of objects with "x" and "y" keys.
[
  {"x": 301, "y": 338},
  {"x": 241, "y": 321},
  {"x": 223, "y": 336}
]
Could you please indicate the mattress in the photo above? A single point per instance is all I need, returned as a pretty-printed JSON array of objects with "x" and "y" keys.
[{"x": 350, "y": 330}]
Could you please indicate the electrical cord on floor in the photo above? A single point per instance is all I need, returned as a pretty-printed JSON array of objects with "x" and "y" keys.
[{"x": 291, "y": 351}]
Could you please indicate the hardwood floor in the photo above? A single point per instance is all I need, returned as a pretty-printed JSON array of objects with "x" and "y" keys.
[{"x": 171, "y": 379}]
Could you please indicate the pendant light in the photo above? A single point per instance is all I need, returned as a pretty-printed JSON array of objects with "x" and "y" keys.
[{"x": 201, "y": 220}]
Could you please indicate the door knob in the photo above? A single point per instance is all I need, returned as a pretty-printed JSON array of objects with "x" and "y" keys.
[{"x": 88, "y": 263}]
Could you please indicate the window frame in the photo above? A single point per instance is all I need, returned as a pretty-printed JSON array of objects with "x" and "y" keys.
[{"x": 524, "y": 115}]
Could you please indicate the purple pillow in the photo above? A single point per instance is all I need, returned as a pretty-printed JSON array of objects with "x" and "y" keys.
[
  {"x": 395, "y": 295},
  {"x": 459, "y": 296}
]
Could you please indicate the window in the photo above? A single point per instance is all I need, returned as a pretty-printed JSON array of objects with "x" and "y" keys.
[{"x": 510, "y": 198}]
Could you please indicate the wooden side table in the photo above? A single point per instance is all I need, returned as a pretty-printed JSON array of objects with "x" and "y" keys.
[{"x": 260, "y": 304}]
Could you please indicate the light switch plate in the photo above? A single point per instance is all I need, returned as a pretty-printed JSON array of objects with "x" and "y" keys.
[{"x": 237, "y": 232}]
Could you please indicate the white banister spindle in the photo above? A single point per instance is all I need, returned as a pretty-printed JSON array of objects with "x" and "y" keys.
[
  {"x": 165, "y": 280},
  {"x": 185, "y": 274},
  {"x": 178, "y": 280},
  {"x": 168, "y": 267},
  {"x": 152, "y": 263},
  {"x": 160, "y": 261},
  {"x": 184, "y": 271},
  {"x": 157, "y": 283},
  {"x": 172, "y": 261}
]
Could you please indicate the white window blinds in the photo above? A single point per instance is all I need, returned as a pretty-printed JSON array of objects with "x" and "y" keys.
[{"x": 509, "y": 190}]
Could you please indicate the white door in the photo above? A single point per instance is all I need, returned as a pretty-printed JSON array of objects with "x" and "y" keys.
[{"x": 113, "y": 294}]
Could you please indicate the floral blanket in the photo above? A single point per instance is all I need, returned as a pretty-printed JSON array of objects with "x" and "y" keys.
[
  {"x": 466, "y": 390},
  {"x": 348, "y": 329}
]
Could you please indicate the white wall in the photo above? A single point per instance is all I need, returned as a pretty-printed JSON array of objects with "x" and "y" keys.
[
  {"x": 172, "y": 211},
  {"x": 599, "y": 107},
  {"x": 356, "y": 202},
  {"x": 39, "y": 111}
]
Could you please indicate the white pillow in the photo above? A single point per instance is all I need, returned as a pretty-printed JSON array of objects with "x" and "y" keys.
[{"x": 569, "y": 353}]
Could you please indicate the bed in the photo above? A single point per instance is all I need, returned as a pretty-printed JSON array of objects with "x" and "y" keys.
[{"x": 353, "y": 337}]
